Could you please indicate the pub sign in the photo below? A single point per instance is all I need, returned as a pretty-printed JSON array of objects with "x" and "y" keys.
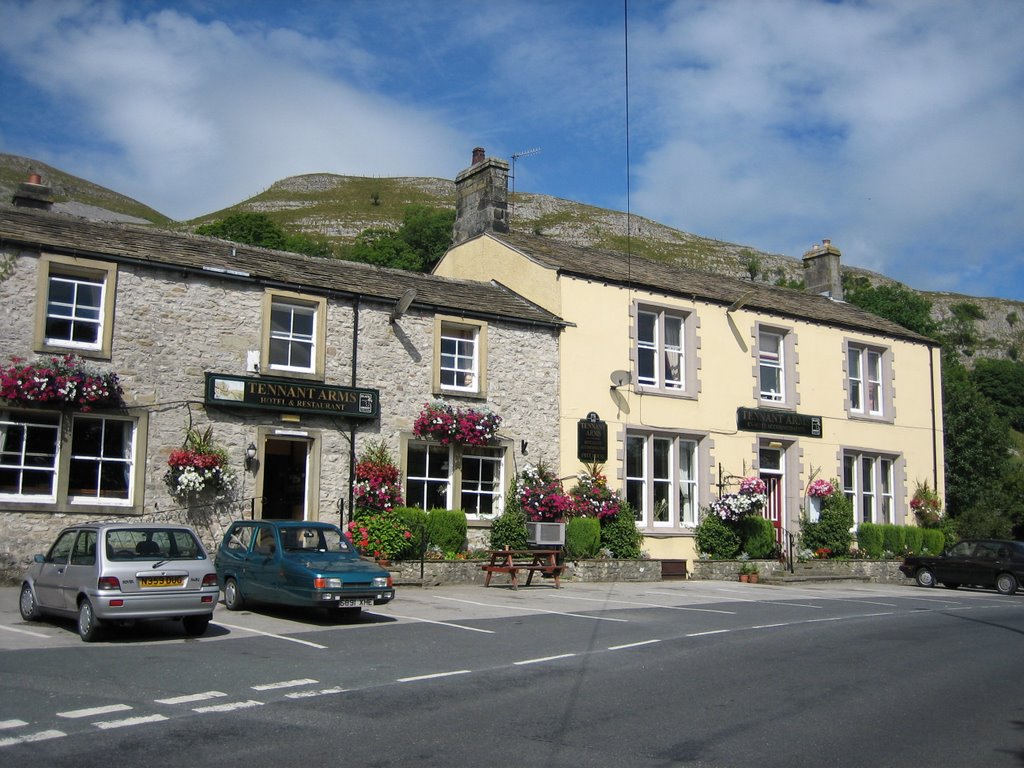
[
  {"x": 291, "y": 395},
  {"x": 592, "y": 439},
  {"x": 783, "y": 422}
]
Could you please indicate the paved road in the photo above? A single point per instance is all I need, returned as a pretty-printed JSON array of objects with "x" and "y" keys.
[{"x": 669, "y": 673}]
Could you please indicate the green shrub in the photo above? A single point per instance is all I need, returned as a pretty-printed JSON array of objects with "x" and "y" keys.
[
  {"x": 757, "y": 537},
  {"x": 446, "y": 529},
  {"x": 869, "y": 539},
  {"x": 914, "y": 538},
  {"x": 415, "y": 519},
  {"x": 893, "y": 539},
  {"x": 715, "y": 538},
  {"x": 832, "y": 531},
  {"x": 620, "y": 535},
  {"x": 509, "y": 530},
  {"x": 934, "y": 540},
  {"x": 582, "y": 538}
]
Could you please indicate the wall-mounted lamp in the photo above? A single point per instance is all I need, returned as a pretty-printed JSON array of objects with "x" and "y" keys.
[
  {"x": 250, "y": 455},
  {"x": 522, "y": 446}
]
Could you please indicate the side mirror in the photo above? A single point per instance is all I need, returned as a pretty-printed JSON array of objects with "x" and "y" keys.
[{"x": 39, "y": 558}]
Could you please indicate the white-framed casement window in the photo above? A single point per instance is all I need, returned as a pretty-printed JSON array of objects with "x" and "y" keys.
[
  {"x": 869, "y": 381},
  {"x": 295, "y": 335},
  {"x": 771, "y": 361},
  {"x": 76, "y": 309},
  {"x": 661, "y": 472},
  {"x": 89, "y": 467},
  {"x": 460, "y": 357},
  {"x": 452, "y": 477},
  {"x": 29, "y": 451},
  {"x": 102, "y": 465},
  {"x": 665, "y": 350},
  {"x": 869, "y": 481}
]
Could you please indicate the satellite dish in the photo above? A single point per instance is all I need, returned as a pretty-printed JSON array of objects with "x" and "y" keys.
[
  {"x": 403, "y": 304},
  {"x": 620, "y": 378}
]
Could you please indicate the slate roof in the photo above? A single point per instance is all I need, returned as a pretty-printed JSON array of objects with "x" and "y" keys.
[
  {"x": 617, "y": 268},
  {"x": 161, "y": 248}
]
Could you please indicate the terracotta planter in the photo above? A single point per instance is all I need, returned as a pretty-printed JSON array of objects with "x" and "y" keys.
[
  {"x": 753, "y": 577},
  {"x": 744, "y": 577},
  {"x": 383, "y": 562}
]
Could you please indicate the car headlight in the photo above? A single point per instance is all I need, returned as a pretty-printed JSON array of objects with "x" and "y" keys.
[
  {"x": 380, "y": 582},
  {"x": 321, "y": 583}
]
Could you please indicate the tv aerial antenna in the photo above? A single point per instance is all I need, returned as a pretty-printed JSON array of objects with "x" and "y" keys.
[{"x": 516, "y": 156}]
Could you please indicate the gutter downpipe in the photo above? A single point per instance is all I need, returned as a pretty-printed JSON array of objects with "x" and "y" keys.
[
  {"x": 935, "y": 436},
  {"x": 351, "y": 424}
]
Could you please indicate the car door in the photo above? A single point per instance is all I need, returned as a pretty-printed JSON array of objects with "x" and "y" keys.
[
  {"x": 49, "y": 584},
  {"x": 984, "y": 564},
  {"x": 955, "y": 567},
  {"x": 80, "y": 573},
  {"x": 263, "y": 565}
]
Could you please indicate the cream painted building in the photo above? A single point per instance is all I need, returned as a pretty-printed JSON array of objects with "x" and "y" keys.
[{"x": 700, "y": 380}]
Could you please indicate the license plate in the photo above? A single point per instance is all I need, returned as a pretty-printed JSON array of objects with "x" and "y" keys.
[
  {"x": 161, "y": 581},
  {"x": 352, "y": 603}
]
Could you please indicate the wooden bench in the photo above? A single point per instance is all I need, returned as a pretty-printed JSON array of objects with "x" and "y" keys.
[{"x": 512, "y": 561}]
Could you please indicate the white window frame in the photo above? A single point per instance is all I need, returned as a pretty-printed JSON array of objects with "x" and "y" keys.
[
  {"x": 292, "y": 338},
  {"x": 772, "y": 361},
  {"x": 295, "y": 303},
  {"x": 76, "y": 272},
  {"x": 459, "y": 367},
  {"x": 468, "y": 489},
  {"x": 664, "y": 494},
  {"x": 869, "y": 481},
  {"x": 869, "y": 386},
  {"x": 21, "y": 461},
  {"x": 104, "y": 460},
  {"x": 451, "y": 475},
  {"x": 659, "y": 347}
]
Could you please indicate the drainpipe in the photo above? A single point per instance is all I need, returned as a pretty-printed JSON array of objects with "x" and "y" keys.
[
  {"x": 352, "y": 424},
  {"x": 935, "y": 434}
]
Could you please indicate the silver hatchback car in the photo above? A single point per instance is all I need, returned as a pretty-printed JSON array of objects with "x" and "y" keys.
[{"x": 120, "y": 573}]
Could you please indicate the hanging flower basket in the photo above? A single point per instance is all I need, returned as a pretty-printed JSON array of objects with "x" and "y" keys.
[
  {"x": 447, "y": 424},
  {"x": 750, "y": 500},
  {"x": 61, "y": 380},
  {"x": 197, "y": 467}
]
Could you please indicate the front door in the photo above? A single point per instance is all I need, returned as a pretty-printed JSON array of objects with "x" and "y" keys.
[
  {"x": 772, "y": 473},
  {"x": 285, "y": 478}
]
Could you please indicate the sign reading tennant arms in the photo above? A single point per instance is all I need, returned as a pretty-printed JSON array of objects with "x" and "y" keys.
[
  {"x": 784, "y": 422},
  {"x": 291, "y": 395}
]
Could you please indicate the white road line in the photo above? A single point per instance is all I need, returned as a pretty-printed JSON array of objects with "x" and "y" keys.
[
  {"x": 191, "y": 698},
  {"x": 642, "y": 605},
  {"x": 94, "y": 711},
  {"x": 284, "y": 684},
  {"x": 543, "y": 659},
  {"x": 271, "y": 634},
  {"x": 772, "y": 626},
  {"x": 433, "y": 676},
  {"x": 28, "y": 632},
  {"x": 106, "y": 725},
  {"x": 235, "y": 705},
  {"x": 710, "y": 632},
  {"x": 29, "y": 738},
  {"x": 5, "y": 724},
  {"x": 312, "y": 694},
  {"x": 530, "y": 610},
  {"x": 632, "y": 645},
  {"x": 442, "y": 623}
]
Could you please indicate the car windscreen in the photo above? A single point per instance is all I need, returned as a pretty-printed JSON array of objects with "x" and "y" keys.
[
  {"x": 307, "y": 540},
  {"x": 147, "y": 543}
]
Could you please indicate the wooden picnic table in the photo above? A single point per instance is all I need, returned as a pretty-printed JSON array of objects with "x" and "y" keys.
[{"x": 512, "y": 561}]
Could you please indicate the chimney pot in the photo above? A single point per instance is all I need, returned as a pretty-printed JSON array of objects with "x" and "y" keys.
[
  {"x": 478, "y": 155},
  {"x": 35, "y": 178}
]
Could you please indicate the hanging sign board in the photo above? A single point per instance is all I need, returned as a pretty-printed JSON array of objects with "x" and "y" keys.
[
  {"x": 592, "y": 439},
  {"x": 291, "y": 395},
  {"x": 783, "y": 422}
]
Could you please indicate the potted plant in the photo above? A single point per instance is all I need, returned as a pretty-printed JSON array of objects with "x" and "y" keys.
[
  {"x": 198, "y": 466},
  {"x": 447, "y": 424}
]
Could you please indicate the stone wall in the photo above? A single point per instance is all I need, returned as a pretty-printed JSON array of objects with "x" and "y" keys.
[
  {"x": 470, "y": 572},
  {"x": 875, "y": 571}
]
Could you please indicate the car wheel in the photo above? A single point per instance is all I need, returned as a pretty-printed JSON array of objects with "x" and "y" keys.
[
  {"x": 925, "y": 578},
  {"x": 27, "y": 604},
  {"x": 233, "y": 599},
  {"x": 1006, "y": 583},
  {"x": 196, "y": 625},
  {"x": 89, "y": 627},
  {"x": 951, "y": 585}
]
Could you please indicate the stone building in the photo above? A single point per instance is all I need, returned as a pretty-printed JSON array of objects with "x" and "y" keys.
[
  {"x": 691, "y": 382},
  {"x": 294, "y": 365}
]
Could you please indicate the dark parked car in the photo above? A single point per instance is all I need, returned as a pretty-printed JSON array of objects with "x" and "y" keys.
[
  {"x": 120, "y": 573},
  {"x": 974, "y": 562},
  {"x": 299, "y": 563}
]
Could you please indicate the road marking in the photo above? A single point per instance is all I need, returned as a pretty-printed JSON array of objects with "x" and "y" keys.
[
  {"x": 106, "y": 725},
  {"x": 28, "y": 738},
  {"x": 442, "y": 623},
  {"x": 235, "y": 705},
  {"x": 271, "y": 634},
  {"x": 632, "y": 645},
  {"x": 543, "y": 659},
  {"x": 312, "y": 694},
  {"x": 772, "y": 626},
  {"x": 433, "y": 676},
  {"x": 191, "y": 698},
  {"x": 92, "y": 712},
  {"x": 709, "y": 632},
  {"x": 642, "y": 605},
  {"x": 530, "y": 610},
  {"x": 28, "y": 632},
  {"x": 5, "y": 724},
  {"x": 284, "y": 684}
]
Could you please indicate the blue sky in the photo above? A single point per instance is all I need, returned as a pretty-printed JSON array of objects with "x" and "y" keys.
[{"x": 896, "y": 129}]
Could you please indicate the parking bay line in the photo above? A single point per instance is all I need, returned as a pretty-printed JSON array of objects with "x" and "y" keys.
[
  {"x": 530, "y": 610},
  {"x": 271, "y": 634},
  {"x": 93, "y": 711},
  {"x": 31, "y": 737},
  {"x": 642, "y": 605},
  {"x": 284, "y": 684},
  {"x": 191, "y": 698},
  {"x": 434, "y": 621},
  {"x": 106, "y": 725},
  {"x": 28, "y": 632},
  {"x": 434, "y": 676}
]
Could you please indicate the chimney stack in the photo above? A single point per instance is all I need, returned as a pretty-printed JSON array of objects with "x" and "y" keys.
[
  {"x": 822, "y": 275},
  {"x": 481, "y": 198},
  {"x": 33, "y": 194}
]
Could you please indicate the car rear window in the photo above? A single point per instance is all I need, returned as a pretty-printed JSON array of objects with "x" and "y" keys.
[{"x": 147, "y": 543}]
